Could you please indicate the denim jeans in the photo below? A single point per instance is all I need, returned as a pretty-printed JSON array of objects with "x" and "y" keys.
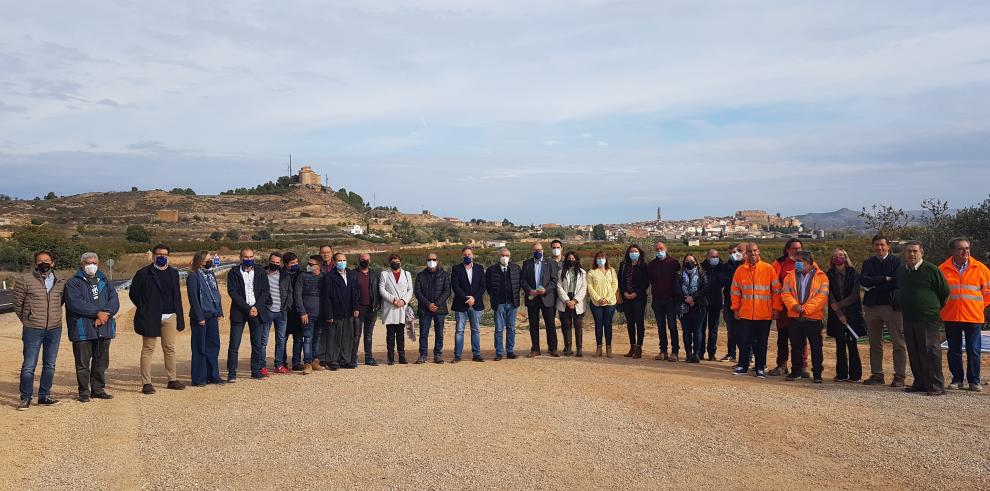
[
  {"x": 234, "y": 344},
  {"x": 462, "y": 318},
  {"x": 36, "y": 340},
  {"x": 279, "y": 320},
  {"x": 424, "y": 333},
  {"x": 691, "y": 323},
  {"x": 954, "y": 332},
  {"x": 505, "y": 322},
  {"x": 304, "y": 350},
  {"x": 603, "y": 323}
]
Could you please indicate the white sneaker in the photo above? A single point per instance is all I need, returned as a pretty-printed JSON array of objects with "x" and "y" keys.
[{"x": 976, "y": 387}]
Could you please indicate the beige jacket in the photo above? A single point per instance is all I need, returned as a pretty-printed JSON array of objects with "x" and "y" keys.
[{"x": 34, "y": 305}]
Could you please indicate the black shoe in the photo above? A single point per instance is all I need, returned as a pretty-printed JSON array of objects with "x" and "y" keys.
[
  {"x": 817, "y": 379},
  {"x": 511, "y": 356},
  {"x": 498, "y": 357},
  {"x": 175, "y": 385},
  {"x": 478, "y": 359},
  {"x": 83, "y": 398},
  {"x": 390, "y": 362},
  {"x": 333, "y": 367},
  {"x": 370, "y": 362},
  {"x": 792, "y": 377},
  {"x": 438, "y": 360},
  {"x": 402, "y": 360},
  {"x": 24, "y": 405},
  {"x": 102, "y": 395},
  {"x": 456, "y": 359},
  {"x": 350, "y": 366},
  {"x": 420, "y": 360},
  {"x": 147, "y": 389},
  {"x": 50, "y": 401},
  {"x": 217, "y": 382},
  {"x": 297, "y": 368}
]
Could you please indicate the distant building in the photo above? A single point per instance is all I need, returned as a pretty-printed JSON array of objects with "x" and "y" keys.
[
  {"x": 495, "y": 243},
  {"x": 307, "y": 177},
  {"x": 692, "y": 242},
  {"x": 167, "y": 216},
  {"x": 353, "y": 229}
]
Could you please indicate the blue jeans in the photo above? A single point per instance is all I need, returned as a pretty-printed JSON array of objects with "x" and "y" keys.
[
  {"x": 205, "y": 342},
  {"x": 665, "y": 312},
  {"x": 462, "y": 317},
  {"x": 255, "y": 328},
  {"x": 603, "y": 323},
  {"x": 304, "y": 350},
  {"x": 505, "y": 322},
  {"x": 954, "y": 332},
  {"x": 34, "y": 340},
  {"x": 279, "y": 320},
  {"x": 424, "y": 333}
]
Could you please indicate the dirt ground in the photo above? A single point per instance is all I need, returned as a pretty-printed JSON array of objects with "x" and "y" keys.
[{"x": 562, "y": 423}]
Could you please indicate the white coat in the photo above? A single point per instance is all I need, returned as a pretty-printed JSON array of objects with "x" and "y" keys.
[
  {"x": 391, "y": 290},
  {"x": 580, "y": 291}
]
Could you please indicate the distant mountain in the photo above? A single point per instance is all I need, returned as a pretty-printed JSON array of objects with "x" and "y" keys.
[{"x": 846, "y": 219}]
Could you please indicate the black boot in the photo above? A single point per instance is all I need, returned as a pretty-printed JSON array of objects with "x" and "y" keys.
[
  {"x": 402, "y": 358},
  {"x": 391, "y": 357}
]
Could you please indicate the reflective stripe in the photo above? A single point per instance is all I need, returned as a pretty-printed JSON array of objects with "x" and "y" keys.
[
  {"x": 958, "y": 296},
  {"x": 986, "y": 286},
  {"x": 757, "y": 297},
  {"x": 966, "y": 287},
  {"x": 735, "y": 293}
]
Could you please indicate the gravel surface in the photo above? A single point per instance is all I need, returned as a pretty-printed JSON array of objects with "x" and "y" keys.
[{"x": 574, "y": 423}]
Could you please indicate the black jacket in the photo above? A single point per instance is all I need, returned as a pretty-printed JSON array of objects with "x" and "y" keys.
[
  {"x": 640, "y": 279},
  {"x": 701, "y": 300},
  {"x": 548, "y": 279},
  {"x": 284, "y": 290},
  {"x": 715, "y": 278},
  {"x": 240, "y": 311},
  {"x": 727, "y": 273},
  {"x": 874, "y": 275},
  {"x": 376, "y": 295},
  {"x": 338, "y": 300},
  {"x": 846, "y": 294},
  {"x": 146, "y": 293},
  {"x": 306, "y": 291},
  {"x": 462, "y": 289},
  {"x": 493, "y": 279},
  {"x": 432, "y": 288}
]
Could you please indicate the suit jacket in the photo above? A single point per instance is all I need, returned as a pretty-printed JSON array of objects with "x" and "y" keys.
[
  {"x": 463, "y": 289},
  {"x": 338, "y": 300},
  {"x": 146, "y": 293},
  {"x": 548, "y": 280},
  {"x": 239, "y": 308}
]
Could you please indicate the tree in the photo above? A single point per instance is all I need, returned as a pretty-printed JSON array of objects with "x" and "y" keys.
[
  {"x": 51, "y": 195},
  {"x": 507, "y": 223},
  {"x": 233, "y": 234},
  {"x": 4, "y": 197},
  {"x": 137, "y": 233},
  {"x": 134, "y": 189},
  {"x": 183, "y": 192},
  {"x": 216, "y": 236},
  {"x": 884, "y": 219},
  {"x": 974, "y": 222},
  {"x": 261, "y": 235},
  {"x": 938, "y": 226},
  {"x": 280, "y": 186},
  {"x": 598, "y": 232}
]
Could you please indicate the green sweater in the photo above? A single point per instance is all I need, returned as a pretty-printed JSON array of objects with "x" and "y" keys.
[{"x": 922, "y": 293}]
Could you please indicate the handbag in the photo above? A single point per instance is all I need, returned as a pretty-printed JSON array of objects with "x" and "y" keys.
[{"x": 410, "y": 317}]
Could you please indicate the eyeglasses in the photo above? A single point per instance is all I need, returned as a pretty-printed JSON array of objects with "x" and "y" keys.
[{"x": 313, "y": 264}]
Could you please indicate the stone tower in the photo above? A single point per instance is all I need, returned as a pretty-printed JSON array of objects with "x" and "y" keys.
[{"x": 307, "y": 177}]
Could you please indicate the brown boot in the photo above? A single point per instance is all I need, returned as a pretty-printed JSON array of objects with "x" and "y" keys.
[
  {"x": 608, "y": 351},
  {"x": 632, "y": 351},
  {"x": 307, "y": 369},
  {"x": 638, "y": 353},
  {"x": 316, "y": 366},
  {"x": 598, "y": 351}
]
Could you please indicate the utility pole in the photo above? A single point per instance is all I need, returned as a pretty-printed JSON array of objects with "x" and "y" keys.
[{"x": 290, "y": 165}]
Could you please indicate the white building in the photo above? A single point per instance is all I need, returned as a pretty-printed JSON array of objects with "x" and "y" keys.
[{"x": 353, "y": 229}]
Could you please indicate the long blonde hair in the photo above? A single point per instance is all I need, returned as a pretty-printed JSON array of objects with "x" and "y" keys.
[{"x": 849, "y": 263}]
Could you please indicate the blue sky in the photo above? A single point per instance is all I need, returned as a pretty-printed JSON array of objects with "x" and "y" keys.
[{"x": 579, "y": 111}]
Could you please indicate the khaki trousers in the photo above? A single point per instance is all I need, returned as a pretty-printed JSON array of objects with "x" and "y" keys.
[
  {"x": 169, "y": 333},
  {"x": 876, "y": 318}
]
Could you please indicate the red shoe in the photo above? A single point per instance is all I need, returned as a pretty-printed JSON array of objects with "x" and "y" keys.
[
  {"x": 283, "y": 369},
  {"x": 264, "y": 372}
]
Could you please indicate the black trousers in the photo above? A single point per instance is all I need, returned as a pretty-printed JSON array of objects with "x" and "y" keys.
[
  {"x": 847, "y": 362},
  {"x": 753, "y": 338},
  {"x": 569, "y": 319},
  {"x": 534, "y": 309},
  {"x": 342, "y": 340},
  {"x": 363, "y": 327},
  {"x": 369, "y": 330},
  {"x": 711, "y": 325},
  {"x": 810, "y": 332},
  {"x": 924, "y": 349},
  {"x": 92, "y": 360},
  {"x": 395, "y": 340},
  {"x": 635, "y": 312}
]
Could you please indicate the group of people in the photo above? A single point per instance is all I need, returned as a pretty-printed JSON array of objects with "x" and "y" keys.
[{"x": 328, "y": 309}]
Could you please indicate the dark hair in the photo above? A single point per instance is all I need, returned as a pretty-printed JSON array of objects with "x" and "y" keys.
[
  {"x": 806, "y": 256},
  {"x": 393, "y": 256},
  {"x": 555, "y": 241},
  {"x": 879, "y": 237},
  {"x": 594, "y": 263},
  {"x": 197, "y": 260},
  {"x": 275, "y": 254},
  {"x": 245, "y": 250},
  {"x": 160, "y": 247},
  {"x": 913, "y": 243},
  {"x": 577, "y": 263},
  {"x": 326, "y": 245},
  {"x": 316, "y": 257},
  {"x": 45, "y": 252},
  {"x": 290, "y": 256},
  {"x": 466, "y": 248},
  {"x": 956, "y": 240},
  {"x": 692, "y": 256},
  {"x": 787, "y": 245},
  {"x": 625, "y": 258},
  {"x": 339, "y": 254}
]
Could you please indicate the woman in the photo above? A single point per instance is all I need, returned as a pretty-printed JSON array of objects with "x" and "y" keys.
[
  {"x": 692, "y": 306},
  {"x": 572, "y": 287},
  {"x": 205, "y": 312},
  {"x": 396, "y": 288},
  {"x": 633, "y": 282},
  {"x": 602, "y": 288},
  {"x": 846, "y": 310}
]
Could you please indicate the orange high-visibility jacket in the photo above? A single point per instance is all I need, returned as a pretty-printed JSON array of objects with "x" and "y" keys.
[
  {"x": 755, "y": 291},
  {"x": 969, "y": 293},
  {"x": 814, "y": 304}
]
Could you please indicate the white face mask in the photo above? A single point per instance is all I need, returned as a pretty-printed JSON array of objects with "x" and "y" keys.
[
  {"x": 309, "y": 268},
  {"x": 556, "y": 252},
  {"x": 431, "y": 264},
  {"x": 503, "y": 260},
  {"x": 737, "y": 256},
  {"x": 90, "y": 269}
]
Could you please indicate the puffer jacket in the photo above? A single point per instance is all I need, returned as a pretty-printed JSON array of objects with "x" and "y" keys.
[
  {"x": 816, "y": 301},
  {"x": 432, "y": 287},
  {"x": 756, "y": 292},
  {"x": 34, "y": 305},
  {"x": 81, "y": 308}
]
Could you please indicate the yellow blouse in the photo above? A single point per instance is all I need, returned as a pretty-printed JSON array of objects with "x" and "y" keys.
[{"x": 602, "y": 283}]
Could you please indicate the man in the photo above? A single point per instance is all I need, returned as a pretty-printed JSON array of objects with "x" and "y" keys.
[
  {"x": 784, "y": 265},
  {"x": 280, "y": 289},
  {"x": 755, "y": 300},
  {"x": 922, "y": 293},
  {"x": 805, "y": 298},
  {"x": 249, "y": 297},
  {"x": 293, "y": 326},
  {"x": 432, "y": 289},
  {"x": 326, "y": 256},
  {"x": 307, "y": 306},
  {"x": 467, "y": 280},
  {"x": 732, "y": 333},
  {"x": 503, "y": 289},
  {"x": 38, "y": 305},
  {"x": 880, "y": 309},
  {"x": 158, "y": 314},
  {"x": 714, "y": 270},
  {"x": 369, "y": 303},
  {"x": 90, "y": 304},
  {"x": 662, "y": 271},
  {"x": 539, "y": 283},
  {"x": 964, "y": 312},
  {"x": 339, "y": 309},
  {"x": 557, "y": 252}
]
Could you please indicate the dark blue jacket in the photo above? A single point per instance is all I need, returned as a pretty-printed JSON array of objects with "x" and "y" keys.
[
  {"x": 495, "y": 279},
  {"x": 81, "y": 308},
  {"x": 715, "y": 282},
  {"x": 462, "y": 289},
  {"x": 204, "y": 304},
  {"x": 240, "y": 311},
  {"x": 338, "y": 300},
  {"x": 874, "y": 276}
]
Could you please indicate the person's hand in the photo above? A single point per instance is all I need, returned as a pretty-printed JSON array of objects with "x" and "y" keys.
[
  {"x": 329, "y": 321},
  {"x": 735, "y": 313},
  {"x": 357, "y": 313},
  {"x": 253, "y": 312},
  {"x": 202, "y": 323},
  {"x": 304, "y": 319},
  {"x": 631, "y": 296},
  {"x": 834, "y": 305},
  {"x": 219, "y": 316},
  {"x": 689, "y": 300},
  {"x": 469, "y": 301},
  {"x": 433, "y": 307},
  {"x": 843, "y": 320},
  {"x": 103, "y": 317},
  {"x": 776, "y": 315},
  {"x": 602, "y": 302},
  {"x": 798, "y": 308},
  {"x": 96, "y": 322},
  {"x": 402, "y": 303}
]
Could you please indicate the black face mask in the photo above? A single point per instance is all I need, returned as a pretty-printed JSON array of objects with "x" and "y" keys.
[
  {"x": 44, "y": 268},
  {"x": 363, "y": 264},
  {"x": 689, "y": 266},
  {"x": 273, "y": 267},
  {"x": 208, "y": 265},
  {"x": 395, "y": 266}
]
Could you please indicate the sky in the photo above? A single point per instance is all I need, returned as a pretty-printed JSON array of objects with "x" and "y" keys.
[{"x": 577, "y": 111}]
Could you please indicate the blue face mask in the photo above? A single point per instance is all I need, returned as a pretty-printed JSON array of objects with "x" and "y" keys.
[
  {"x": 161, "y": 261},
  {"x": 537, "y": 255},
  {"x": 247, "y": 263},
  {"x": 467, "y": 260},
  {"x": 799, "y": 267},
  {"x": 661, "y": 255},
  {"x": 341, "y": 265},
  {"x": 713, "y": 261},
  {"x": 634, "y": 256},
  {"x": 600, "y": 261},
  {"x": 294, "y": 268}
]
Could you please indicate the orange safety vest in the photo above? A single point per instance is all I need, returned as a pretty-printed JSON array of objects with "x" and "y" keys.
[
  {"x": 814, "y": 305},
  {"x": 969, "y": 293},
  {"x": 755, "y": 291}
]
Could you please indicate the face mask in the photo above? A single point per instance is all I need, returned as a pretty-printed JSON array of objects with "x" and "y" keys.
[
  {"x": 309, "y": 268},
  {"x": 273, "y": 267},
  {"x": 713, "y": 261},
  {"x": 634, "y": 256},
  {"x": 799, "y": 267},
  {"x": 537, "y": 255},
  {"x": 90, "y": 269},
  {"x": 467, "y": 260},
  {"x": 395, "y": 266},
  {"x": 556, "y": 252},
  {"x": 247, "y": 263},
  {"x": 568, "y": 263},
  {"x": 504, "y": 260},
  {"x": 689, "y": 266},
  {"x": 600, "y": 261},
  {"x": 208, "y": 265},
  {"x": 341, "y": 265},
  {"x": 661, "y": 255},
  {"x": 363, "y": 264},
  {"x": 839, "y": 261},
  {"x": 737, "y": 256},
  {"x": 44, "y": 268},
  {"x": 161, "y": 261},
  {"x": 431, "y": 264},
  {"x": 294, "y": 268}
]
